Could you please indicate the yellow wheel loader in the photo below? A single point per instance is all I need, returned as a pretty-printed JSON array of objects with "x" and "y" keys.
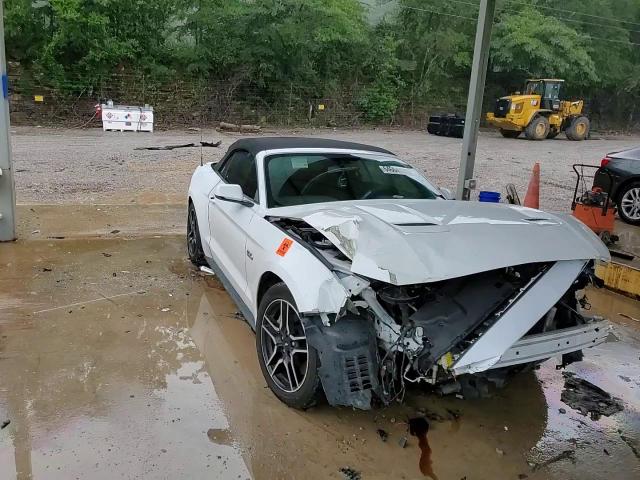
[{"x": 539, "y": 113}]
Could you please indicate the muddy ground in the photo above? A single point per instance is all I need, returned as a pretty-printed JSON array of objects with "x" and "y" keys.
[
  {"x": 92, "y": 166},
  {"x": 119, "y": 360}
]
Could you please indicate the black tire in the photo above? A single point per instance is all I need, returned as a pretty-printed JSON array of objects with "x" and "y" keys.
[
  {"x": 578, "y": 129},
  {"x": 283, "y": 380},
  {"x": 629, "y": 203},
  {"x": 194, "y": 245},
  {"x": 538, "y": 128},
  {"x": 552, "y": 134},
  {"x": 510, "y": 133}
]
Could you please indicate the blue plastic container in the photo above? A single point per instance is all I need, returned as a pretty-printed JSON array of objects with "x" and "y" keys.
[{"x": 491, "y": 197}]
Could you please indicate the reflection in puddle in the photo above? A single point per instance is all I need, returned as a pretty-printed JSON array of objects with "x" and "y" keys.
[{"x": 112, "y": 388}]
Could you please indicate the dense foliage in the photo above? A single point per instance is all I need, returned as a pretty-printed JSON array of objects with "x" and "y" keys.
[{"x": 385, "y": 56}]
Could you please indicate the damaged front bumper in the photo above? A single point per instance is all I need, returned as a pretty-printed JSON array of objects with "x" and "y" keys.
[
  {"x": 534, "y": 348},
  {"x": 514, "y": 321},
  {"x": 369, "y": 353},
  {"x": 442, "y": 312}
]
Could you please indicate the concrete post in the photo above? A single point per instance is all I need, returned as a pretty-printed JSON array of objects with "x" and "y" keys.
[
  {"x": 7, "y": 187},
  {"x": 474, "y": 101}
]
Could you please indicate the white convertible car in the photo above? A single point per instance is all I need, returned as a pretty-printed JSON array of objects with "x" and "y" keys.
[{"x": 359, "y": 276}]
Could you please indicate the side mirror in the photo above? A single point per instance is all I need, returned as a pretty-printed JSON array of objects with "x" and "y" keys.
[
  {"x": 447, "y": 194},
  {"x": 231, "y": 193}
]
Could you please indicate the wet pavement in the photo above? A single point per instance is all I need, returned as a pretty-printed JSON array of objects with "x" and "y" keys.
[
  {"x": 56, "y": 222},
  {"x": 628, "y": 242},
  {"x": 119, "y": 360}
]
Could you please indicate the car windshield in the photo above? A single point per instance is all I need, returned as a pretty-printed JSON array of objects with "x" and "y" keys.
[{"x": 298, "y": 179}]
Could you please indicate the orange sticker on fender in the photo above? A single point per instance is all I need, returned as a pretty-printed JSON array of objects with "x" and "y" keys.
[{"x": 284, "y": 247}]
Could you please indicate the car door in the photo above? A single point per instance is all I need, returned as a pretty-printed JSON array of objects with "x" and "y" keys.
[{"x": 228, "y": 221}]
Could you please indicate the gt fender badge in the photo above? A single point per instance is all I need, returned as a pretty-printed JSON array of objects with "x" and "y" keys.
[{"x": 284, "y": 247}]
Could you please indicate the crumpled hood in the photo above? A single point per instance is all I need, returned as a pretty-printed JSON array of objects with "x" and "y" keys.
[{"x": 417, "y": 241}]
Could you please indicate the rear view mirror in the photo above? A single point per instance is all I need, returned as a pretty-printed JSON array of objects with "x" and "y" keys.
[
  {"x": 231, "y": 193},
  {"x": 447, "y": 194}
]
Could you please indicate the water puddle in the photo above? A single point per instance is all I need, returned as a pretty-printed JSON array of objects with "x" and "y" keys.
[
  {"x": 168, "y": 384},
  {"x": 220, "y": 436}
]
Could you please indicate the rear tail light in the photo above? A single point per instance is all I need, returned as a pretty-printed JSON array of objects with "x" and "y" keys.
[{"x": 605, "y": 161}]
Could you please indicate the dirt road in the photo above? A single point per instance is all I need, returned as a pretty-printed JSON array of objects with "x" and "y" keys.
[
  {"x": 92, "y": 166},
  {"x": 119, "y": 360}
]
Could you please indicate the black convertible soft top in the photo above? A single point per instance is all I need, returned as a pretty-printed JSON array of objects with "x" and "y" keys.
[{"x": 259, "y": 144}]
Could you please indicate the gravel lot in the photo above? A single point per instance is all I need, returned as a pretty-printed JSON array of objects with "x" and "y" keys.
[{"x": 92, "y": 166}]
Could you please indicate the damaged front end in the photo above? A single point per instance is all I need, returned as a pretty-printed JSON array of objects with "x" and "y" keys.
[{"x": 454, "y": 334}]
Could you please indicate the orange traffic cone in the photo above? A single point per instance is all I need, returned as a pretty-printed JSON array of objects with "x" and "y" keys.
[{"x": 532, "y": 198}]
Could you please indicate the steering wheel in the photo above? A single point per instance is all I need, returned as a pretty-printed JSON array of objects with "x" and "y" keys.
[{"x": 320, "y": 176}]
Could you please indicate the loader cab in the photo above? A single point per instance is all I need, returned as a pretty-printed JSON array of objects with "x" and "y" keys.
[{"x": 549, "y": 91}]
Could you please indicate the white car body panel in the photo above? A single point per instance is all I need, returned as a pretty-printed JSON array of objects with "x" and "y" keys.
[
  {"x": 418, "y": 241},
  {"x": 313, "y": 286},
  {"x": 399, "y": 242},
  {"x": 203, "y": 181},
  {"x": 228, "y": 224}
]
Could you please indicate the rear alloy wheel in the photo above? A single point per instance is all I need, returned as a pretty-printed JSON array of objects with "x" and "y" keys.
[
  {"x": 194, "y": 245},
  {"x": 629, "y": 204},
  {"x": 510, "y": 133},
  {"x": 289, "y": 364},
  {"x": 538, "y": 128},
  {"x": 579, "y": 129}
]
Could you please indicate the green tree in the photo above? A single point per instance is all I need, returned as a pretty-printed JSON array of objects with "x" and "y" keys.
[
  {"x": 28, "y": 25},
  {"x": 76, "y": 41},
  {"x": 435, "y": 48},
  {"x": 527, "y": 43},
  {"x": 384, "y": 56},
  {"x": 380, "y": 99}
]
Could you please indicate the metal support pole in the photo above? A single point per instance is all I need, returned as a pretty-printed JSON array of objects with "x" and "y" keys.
[
  {"x": 474, "y": 102},
  {"x": 7, "y": 187}
]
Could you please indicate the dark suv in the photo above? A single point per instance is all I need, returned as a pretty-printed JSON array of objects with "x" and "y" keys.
[{"x": 624, "y": 167}]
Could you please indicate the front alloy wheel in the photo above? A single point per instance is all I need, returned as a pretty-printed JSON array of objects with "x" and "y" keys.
[
  {"x": 289, "y": 364},
  {"x": 284, "y": 347}
]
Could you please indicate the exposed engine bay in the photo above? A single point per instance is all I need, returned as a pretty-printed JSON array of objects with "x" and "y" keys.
[{"x": 388, "y": 336}]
